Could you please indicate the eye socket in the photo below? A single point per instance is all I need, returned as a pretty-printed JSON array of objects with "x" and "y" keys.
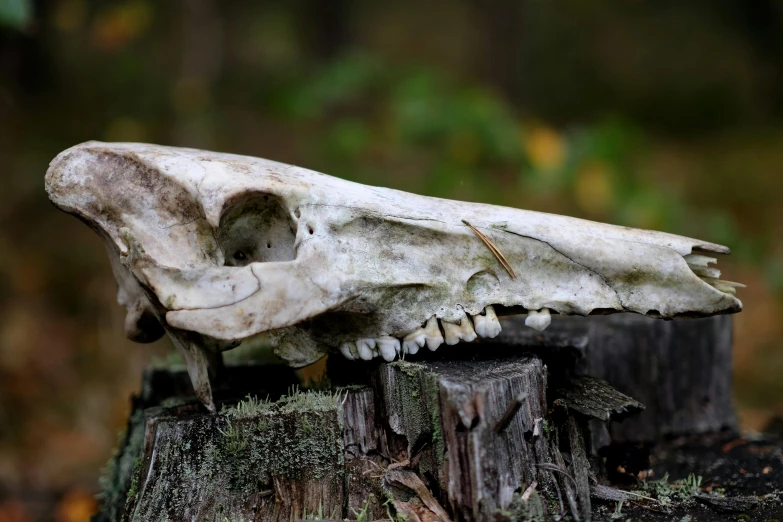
[{"x": 256, "y": 228}]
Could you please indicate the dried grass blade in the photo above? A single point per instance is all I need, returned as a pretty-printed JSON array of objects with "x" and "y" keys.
[{"x": 497, "y": 253}]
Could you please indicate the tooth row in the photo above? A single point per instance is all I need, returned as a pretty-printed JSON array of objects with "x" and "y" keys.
[
  {"x": 429, "y": 335},
  {"x": 711, "y": 275}
]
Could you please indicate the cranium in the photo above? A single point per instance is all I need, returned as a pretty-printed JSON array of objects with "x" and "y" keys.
[{"x": 216, "y": 248}]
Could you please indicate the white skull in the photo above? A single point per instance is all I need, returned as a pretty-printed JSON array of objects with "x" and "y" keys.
[{"x": 219, "y": 247}]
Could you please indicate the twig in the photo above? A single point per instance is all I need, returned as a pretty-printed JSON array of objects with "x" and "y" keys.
[
  {"x": 511, "y": 410},
  {"x": 552, "y": 467},
  {"x": 650, "y": 508},
  {"x": 529, "y": 491},
  {"x": 500, "y": 257}
]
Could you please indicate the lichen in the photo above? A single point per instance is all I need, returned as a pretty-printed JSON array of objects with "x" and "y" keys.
[
  {"x": 239, "y": 450},
  {"x": 120, "y": 477}
]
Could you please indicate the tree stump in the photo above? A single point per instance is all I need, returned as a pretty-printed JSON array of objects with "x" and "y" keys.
[
  {"x": 435, "y": 439},
  {"x": 503, "y": 431},
  {"x": 680, "y": 370}
]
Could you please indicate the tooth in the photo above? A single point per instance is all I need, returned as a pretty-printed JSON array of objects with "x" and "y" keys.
[
  {"x": 348, "y": 349},
  {"x": 365, "y": 347},
  {"x": 413, "y": 341},
  {"x": 389, "y": 347},
  {"x": 729, "y": 287},
  {"x": 432, "y": 334},
  {"x": 487, "y": 325},
  {"x": 538, "y": 320},
  {"x": 456, "y": 332},
  {"x": 706, "y": 271},
  {"x": 695, "y": 260}
]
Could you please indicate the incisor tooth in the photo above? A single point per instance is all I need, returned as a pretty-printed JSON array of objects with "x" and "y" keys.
[
  {"x": 459, "y": 332},
  {"x": 487, "y": 325},
  {"x": 538, "y": 320},
  {"x": 698, "y": 260},
  {"x": 347, "y": 351},
  {"x": 706, "y": 271},
  {"x": 389, "y": 347},
  {"x": 432, "y": 334},
  {"x": 413, "y": 341},
  {"x": 365, "y": 347}
]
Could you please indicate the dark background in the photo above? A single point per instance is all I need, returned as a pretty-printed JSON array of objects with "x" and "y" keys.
[{"x": 654, "y": 114}]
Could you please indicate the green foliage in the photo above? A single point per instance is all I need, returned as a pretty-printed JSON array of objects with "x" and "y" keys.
[
  {"x": 363, "y": 515},
  {"x": 15, "y": 13}
]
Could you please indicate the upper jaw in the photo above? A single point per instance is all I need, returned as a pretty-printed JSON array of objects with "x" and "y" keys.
[{"x": 436, "y": 266}]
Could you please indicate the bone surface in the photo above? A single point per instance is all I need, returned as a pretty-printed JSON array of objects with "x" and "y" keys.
[{"x": 218, "y": 247}]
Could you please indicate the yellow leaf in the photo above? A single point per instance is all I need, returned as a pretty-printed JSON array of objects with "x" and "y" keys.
[
  {"x": 545, "y": 148},
  {"x": 594, "y": 191}
]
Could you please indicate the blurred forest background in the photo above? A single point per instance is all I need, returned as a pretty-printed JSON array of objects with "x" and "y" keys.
[{"x": 653, "y": 114}]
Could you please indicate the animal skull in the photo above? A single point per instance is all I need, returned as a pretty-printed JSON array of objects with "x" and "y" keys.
[{"x": 215, "y": 248}]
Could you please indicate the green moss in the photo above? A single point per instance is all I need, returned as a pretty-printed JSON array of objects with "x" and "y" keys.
[
  {"x": 120, "y": 477},
  {"x": 235, "y": 441},
  {"x": 239, "y": 450},
  {"x": 250, "y": 407},
  {"x": 531, "y": 510},
  {"x": 418, "y": 400},
  {"x": 363, "y": 515},
  {"x": 681, "y": 491}
]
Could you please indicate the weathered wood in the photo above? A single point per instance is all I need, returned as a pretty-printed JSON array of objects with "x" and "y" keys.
[
  {"x": 448, "y": 411},
  {"x": 475, "y": 431},
  {"x": 595, "y": 398},
  {"x": 472, "y": 432},
  {"x": 680, "y": 370},
  {"x": 456, "y": 435},
  {"x": 270, "y": 462}
]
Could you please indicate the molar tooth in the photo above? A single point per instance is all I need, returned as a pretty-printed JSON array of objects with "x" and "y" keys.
[
  {"x": 432, "y": 334},
  {"x": 487, "y": 325},
  {"x": 365, "y": 347},
  {"x": 348, "y": 350},
  {"x": 538, "y": 320},
  {"x": 414, "y": 340},
  {"x": 457, "y": 332},
  {"x": 389, "y": 347}
]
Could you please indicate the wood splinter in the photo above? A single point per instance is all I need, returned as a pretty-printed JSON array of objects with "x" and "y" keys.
[{"x": 511, "y": 410}]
